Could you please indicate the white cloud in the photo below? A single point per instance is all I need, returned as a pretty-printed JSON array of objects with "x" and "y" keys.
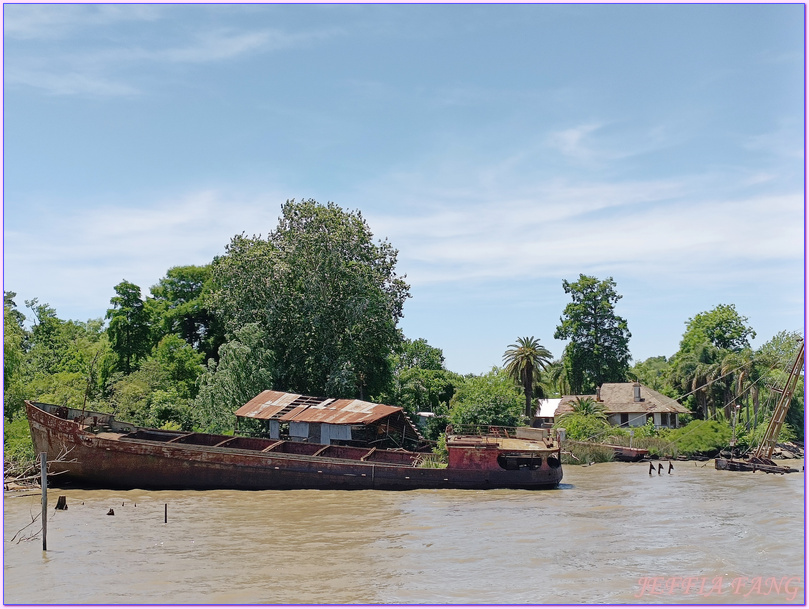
[
  {"x": 68, "y": 82},
  {"x": 48, "y": 21},
  {"x": 573, "y": 142},
  {"x": 75, "y": 258},
  {"x": 647, "y": 229},
  {"x": 64, "y": 62}
]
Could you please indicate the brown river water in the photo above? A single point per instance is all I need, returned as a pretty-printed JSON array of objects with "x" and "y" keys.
[{"x": 610, "y": 534}]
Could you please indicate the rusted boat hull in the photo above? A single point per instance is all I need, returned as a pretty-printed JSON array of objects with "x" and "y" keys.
[{"x": 108, "y": 460}]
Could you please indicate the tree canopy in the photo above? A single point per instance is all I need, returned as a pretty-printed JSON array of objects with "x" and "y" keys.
[
  {"x": 129, "y": 328},
  {"x": 598, "y": 351},
  {"x": 326, "y": 295},
  {"x": 488, "y": 399},
  {"x": 722, "y": 327}
]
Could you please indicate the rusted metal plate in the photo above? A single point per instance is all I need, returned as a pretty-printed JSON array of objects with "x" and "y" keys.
[
  {"x": 308, "y": 409},
  {"x": 270, "y": 404},
  {"x": 341, "y": 412}
]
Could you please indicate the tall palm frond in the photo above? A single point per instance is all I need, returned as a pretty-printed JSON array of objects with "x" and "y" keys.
[{"x": 523, "y": 362}]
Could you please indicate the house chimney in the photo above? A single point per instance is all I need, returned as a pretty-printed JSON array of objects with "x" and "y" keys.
[
  {"x": 636, "y": 390},
  {"x": 598, "y": 394}
]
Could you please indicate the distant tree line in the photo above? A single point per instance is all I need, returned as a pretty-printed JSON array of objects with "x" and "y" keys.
[{"x": 314, "y": 308}]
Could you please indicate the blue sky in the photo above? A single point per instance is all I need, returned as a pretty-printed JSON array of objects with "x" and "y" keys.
[{"x": 500, "y": 148}]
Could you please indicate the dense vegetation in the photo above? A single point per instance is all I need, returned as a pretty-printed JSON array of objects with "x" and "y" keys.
[{"x": 314, "y": 308}]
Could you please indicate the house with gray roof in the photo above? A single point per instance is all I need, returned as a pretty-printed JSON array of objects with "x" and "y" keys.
[{"x": 630, "y": 405}]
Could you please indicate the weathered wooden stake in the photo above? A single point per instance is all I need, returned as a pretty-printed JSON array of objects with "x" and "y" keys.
[
  {"x": 43, "y": 472},
  {"x": 61, "y": 504},
  {"x": 165, "y": 513}
]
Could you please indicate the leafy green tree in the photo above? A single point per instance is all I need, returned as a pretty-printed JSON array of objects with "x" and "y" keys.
[
  {"x": 14, "y": 357},
  {"x": 326, "y": 295},
  {"x": 183, "y": 365},
  {"x": 654, "y": 373},
  {"x": 129, "y": 328},
  {"x": 420, "y": 383},
  {"x": 178, "y": 307},
  {"x": 598, "y": 351},
  {"x": 246, "y": 367},
  {"x": 714, "y": 364},
  {"x": 161, "y": 391},
  {"x": 418, "y": 389},
  {"x": 772, "y": 361},
  {"x": 67, "y": 362},
  {"x": 523, "y": 362},
  {"x": 722, "y": 327},
  {"x": 488, "y": 399},
  {"x": 47, "y": 345},
  {"x": 417, "y": 354}
]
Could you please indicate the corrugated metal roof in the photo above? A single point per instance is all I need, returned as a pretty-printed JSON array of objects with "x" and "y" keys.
[{"x": 308, "y": 409}]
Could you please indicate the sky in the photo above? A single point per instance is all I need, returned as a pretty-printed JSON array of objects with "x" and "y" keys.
[{"x": 502, "y": 149}]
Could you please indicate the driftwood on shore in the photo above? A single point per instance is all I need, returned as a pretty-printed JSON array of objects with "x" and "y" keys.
[{"x": 26, "y": 474}]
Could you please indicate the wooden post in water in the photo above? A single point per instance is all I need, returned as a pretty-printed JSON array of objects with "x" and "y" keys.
[
  {"x": 165, "y": 513},
  {"x": 43, "y": 468}
]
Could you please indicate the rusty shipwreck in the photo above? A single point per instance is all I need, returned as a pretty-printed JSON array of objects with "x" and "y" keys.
[{"x": 93, "y": 449}]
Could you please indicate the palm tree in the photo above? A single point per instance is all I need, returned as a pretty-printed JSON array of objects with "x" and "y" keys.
[
  {"x": 556, "y": 378},
  {"x": 589, "y": 407},
  {"x": 523, "y": 362}
]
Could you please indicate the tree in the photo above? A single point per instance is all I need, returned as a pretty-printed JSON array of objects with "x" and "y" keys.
[
  {"x": 772, "y": 361},
  {"x": 14, "y": 356},
  {"x": 555, "y": 380},
  {"x": 182, "y": 364},
  {"x": 417, "y": 354},
  {"x": 587, "y": 406},
  {"x": 598, "y": 351},
  {"x": 692, "y": 375},
  {"x": 326, "y": 295},
  {"x": 523, "y": 362},
  {"x": 246, "y": 367},
  {"x": 178, "y": 307},
  {"x": 722, "y": 327},
  {"x": 714, "y": 363},
  {"x": 489, "y": 399},
  {"x": 652, "y": 372},
  {"x": 129, "y": 328}
]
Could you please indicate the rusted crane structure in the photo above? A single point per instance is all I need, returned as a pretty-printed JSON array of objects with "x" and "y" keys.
[{"x": 762, "y": 457}]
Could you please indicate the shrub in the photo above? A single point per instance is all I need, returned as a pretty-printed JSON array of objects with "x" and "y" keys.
[
  {"x": 582, "y": 426},
  {"x": 707, "y": 437},
  {"x": 752, "y": 438}
]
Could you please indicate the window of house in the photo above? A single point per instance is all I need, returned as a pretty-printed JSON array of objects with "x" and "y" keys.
[{"x": 624, "y": 419}]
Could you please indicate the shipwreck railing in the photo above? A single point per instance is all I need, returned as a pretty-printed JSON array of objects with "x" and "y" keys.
[{"x": 491, "y": 431}]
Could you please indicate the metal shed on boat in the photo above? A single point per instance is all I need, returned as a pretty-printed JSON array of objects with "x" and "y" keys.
[{"x": 331, "y": 420}]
